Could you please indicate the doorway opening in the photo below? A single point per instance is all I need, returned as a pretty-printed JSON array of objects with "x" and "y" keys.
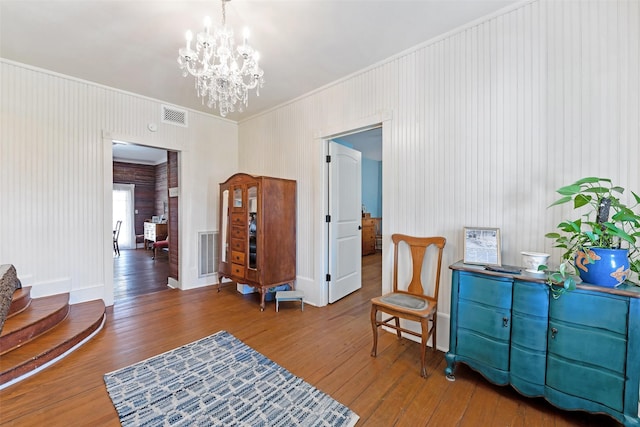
[
  {"x": 354, "y": 208},
  {"x": 141, "y": 182},
  {"x": 123, "y": 212}
]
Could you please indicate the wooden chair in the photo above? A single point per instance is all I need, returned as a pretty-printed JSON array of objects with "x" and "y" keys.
[
  {"x": 413, "y": 303},
  {"x": 116, "y": 234},
  {"x": 160, "y": 244}
]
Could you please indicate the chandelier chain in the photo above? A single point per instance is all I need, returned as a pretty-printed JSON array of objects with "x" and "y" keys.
[{"x": 224, "y": 14}]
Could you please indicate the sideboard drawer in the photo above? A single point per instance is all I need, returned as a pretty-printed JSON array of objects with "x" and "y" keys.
[
  {"x": 528, "y": 353},
  {"x": 483, "y": 349},
  {"x": 588, "y": 345},
  {"x": 155, "y": 232},
  {"x": 593, "y": 384},
  {"x": 527, "y": 370},
  {"x": 588, "y": 309},
  {"x": 484, "y": 320},
  {"x": 486, "y": 290},
  {"x": 531, "y": 298},
  {"x": 529, "y": 332}
]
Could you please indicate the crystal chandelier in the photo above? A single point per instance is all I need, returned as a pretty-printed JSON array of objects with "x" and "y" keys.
[{"x": 223, "y": 73}]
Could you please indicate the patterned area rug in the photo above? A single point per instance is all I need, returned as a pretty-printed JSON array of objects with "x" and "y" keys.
[{"x": 219, "y": 381}]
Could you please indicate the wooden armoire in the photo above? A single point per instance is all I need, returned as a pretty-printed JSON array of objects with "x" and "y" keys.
[{"x": 257, "y": 243}]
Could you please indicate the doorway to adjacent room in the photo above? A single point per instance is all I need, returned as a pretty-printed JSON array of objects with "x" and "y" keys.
[
  {"x": 354, "y": 188},
  {"x": 141, "y": 182}
]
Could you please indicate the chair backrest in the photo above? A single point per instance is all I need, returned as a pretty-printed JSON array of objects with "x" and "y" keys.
[
  {"x": 418, "y": 247},
  {"x": 116, "y": 232}
]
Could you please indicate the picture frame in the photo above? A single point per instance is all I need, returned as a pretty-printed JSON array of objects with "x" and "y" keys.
[{"x": 482, "y": 246}]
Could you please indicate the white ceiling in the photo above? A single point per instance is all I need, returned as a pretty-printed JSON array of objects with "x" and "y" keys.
[
  {"x": 131, "y": 153},
  {"x": 304, "y": 44}
]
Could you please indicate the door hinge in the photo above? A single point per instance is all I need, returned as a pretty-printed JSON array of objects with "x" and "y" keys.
[
  {"x": 327, "y": 218},
  {"x": 328, "y": 277},
  {"x": 329, "y": 159}
]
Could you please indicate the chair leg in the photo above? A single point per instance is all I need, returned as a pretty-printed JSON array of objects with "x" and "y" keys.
[
  {"x": 374, "y": 326},
  {"x": 434, "y": 328},
  {"x": 398, "y": 332},
  {"x": 424, "y": 323}
]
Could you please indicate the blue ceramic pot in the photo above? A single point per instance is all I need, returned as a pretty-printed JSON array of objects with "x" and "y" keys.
[{"x": 609, "y": 268}]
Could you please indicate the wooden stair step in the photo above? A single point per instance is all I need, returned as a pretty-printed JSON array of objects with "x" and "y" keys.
[
  {"x": 20, "y": 301},
  {"x": 41, "y": 315},
  {"x": 84, "y": 320}
]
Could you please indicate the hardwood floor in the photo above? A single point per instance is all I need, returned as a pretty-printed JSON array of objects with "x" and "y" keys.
[
  {"x": 135, "y": 273},
  {"x": 328, "y": 347}
]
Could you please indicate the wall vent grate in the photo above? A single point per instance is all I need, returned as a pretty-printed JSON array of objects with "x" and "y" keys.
[
  {"x": 207, "y": 253},
  {"x": 174, "y": 116}
]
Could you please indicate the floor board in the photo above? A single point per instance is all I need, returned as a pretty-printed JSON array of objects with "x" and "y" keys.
[
  {"x": 136, "y": 273},
  {"x": 328, "y": 347}
]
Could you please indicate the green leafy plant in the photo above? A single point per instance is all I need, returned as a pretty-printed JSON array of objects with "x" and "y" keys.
[
  {"x": 560, "y": 281},
  {"x": 604, "y": 222}
]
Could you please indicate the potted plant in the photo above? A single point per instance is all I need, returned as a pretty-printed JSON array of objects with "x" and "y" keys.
[{"x": 602, "y": 244}]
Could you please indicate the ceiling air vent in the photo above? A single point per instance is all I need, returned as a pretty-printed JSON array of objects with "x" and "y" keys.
[{"x": 174, "y": 116}]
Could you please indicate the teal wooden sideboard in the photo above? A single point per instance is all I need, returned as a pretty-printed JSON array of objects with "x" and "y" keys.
[{"x": 580, "y": 351}]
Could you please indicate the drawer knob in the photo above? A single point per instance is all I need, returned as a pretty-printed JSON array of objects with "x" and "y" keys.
[
  {"x": 505, "y": 321},
  {"x": 554, "y": 331}
]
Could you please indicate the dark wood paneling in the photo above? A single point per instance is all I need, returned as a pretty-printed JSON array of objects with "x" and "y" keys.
[
  {"x": 172, "y": 178},
  {"x": 144, "y": 177},
  {"x": 161, "y": 193}
]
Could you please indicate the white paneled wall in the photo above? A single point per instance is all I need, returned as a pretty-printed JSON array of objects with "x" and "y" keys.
[
  {"x": 55, "y": 167},
  {"x": 486, "y": 123}
]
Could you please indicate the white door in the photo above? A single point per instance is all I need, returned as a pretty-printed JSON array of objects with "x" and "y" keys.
[{"x": 345, "y": 210}]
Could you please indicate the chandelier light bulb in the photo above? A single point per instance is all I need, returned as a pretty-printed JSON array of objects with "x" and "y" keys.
[
  {"x": 245, "y": 35},
  {"x": 223, "y": 73}
]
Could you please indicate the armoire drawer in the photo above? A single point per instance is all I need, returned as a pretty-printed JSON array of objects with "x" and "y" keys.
[
  {"x": 237, "y": 245},
  {"x": 238, "y": 219},
  {"x": 237, "y": 257},
  {"x": 237, "y": 270},
  {"x": 238, "y": 233}
]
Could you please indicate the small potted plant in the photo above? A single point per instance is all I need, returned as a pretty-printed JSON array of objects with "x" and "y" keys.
[{"x": 602, "y": 244}]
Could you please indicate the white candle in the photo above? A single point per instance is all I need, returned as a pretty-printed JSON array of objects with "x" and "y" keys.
[{"x": 245, "y": 35}]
